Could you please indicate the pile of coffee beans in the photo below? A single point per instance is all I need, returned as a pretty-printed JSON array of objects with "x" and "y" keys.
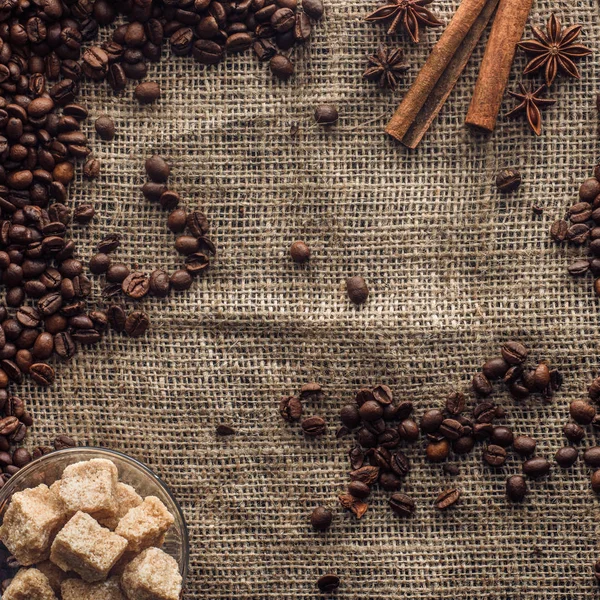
[
  {"x": 581, "y": 225},
  {"x": 195, "y": 245}
]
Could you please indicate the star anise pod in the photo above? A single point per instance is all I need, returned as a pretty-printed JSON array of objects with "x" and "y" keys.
[
  {"x": 555, "y": 50},
  {"x": 386, "y": 66},
  {"x": 531, "y": 103},
  {"x": 409, "y": 13}
]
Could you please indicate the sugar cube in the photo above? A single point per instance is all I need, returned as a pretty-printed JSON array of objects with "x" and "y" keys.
[
  {"x": 75, "y": 589},
  {"x": 33, "y": 518},
  {"x": 145, "y": 525},
  {"x": 87, "y": 548},
  {"x": 90, "y": 487},
  {"x": 29, "y": 584},
  {"x": 153, "y": 575},
  {"x": 127, "y": 498}
]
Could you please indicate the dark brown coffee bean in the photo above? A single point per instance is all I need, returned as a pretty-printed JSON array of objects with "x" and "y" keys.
[
  {"x": 495, "y": 368},
  {"x": 117, "y": 273},
  {"x": 592, "y": 457},
  {"x": 313, "y": 8},
  {"x": 136, "y": 285},
  {"x": 431, "y": 420},
  {"x": 366, "y": 474},
  {"x": 109, "y": 243},
  {"x": 63, "y": 441},
  {"x": 136, "y": 324},
  {"x": 299, "y": 252},
  {"x": 574, "y": 433},
  {"x": 451, "y": 429},
  {"x": 357, "y": 290},
  {"x": 105, "y": 128},
  {"x": 485, "y": 412},
  {"x": 494, "y": 455},
  {"x": 514, "y": 353},
  {"x": 464, "y": 444},
  {"x": 42, "y": 373},
  {"x": 481, "y": 385},
  {"x": 371, "y": 411},
  {"x": 516, "y": 488},
  {"x": 595, "y": 481},
  {"x": 402, "y": 505},
  {"x": 400, "y": 464},
  {"x": 502, "y": 436},
  {"x": 321, "y": 518},
  {"x": 589, "y": 189},
  {"x": 21, "y": 457},
  {"x": 224, "y": 430},
  {"x": 359, "y": 489},
  {"x": 159, "y": 283},
  {"x": 64, "y": 345},
  {"x": 536, "y": 467},
  {"x": 350, "y": 416},
  {"x": 582, "y": 412},
  {"x": 116, "y": 317},
  {"x": 28, "y": 316},
  {"x": 594, "y": 389},
  {"x": 328, "y": 583},
  {"x": 524, "y": 445},
  {"x": 508, "y": 180},
  {"x": 455, "y": 403},
  {"x": 447, "y": 498},
  {"x": 438, "y": 451},
  {"x": 157, "y": 169},
  {"x": 326, "y": 114},
  {"x": 281, "y": 66},
  {"x": 578, "y": 234},
  {"x": 84, "y": 213},
  {"x": 290, "y": 408},
  {"x": 579, "y": 267},
  {"x": 99, "y": 263},
  {"x": 408, "y": 430},
  {"x": 314, "y": 426},
  {"x": 147, "y": 92},
  {"x": 180, "y": 280},
  {"x": 207, "y": 52},
  {"x": 566, "y": 457},
  {"x": 559, "y": 230}
]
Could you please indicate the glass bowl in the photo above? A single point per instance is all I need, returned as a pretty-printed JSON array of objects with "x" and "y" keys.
[{"x": 49, "y": 468}]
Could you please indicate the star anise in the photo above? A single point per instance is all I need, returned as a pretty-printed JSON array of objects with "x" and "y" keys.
[
  {"x": 386, "y": 66},
  {"x": 409, "y": 13},
  {"x": 531, "y": 103},
  {"x": 555, "y": 50}
]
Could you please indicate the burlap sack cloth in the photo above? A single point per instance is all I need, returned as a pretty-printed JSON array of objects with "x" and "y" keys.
[{"x": 454, "y": 270}]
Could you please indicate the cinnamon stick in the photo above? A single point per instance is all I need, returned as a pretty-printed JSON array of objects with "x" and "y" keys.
[
  {"x": 440, "y": 58},
  {"x": 497, "y": 61}
]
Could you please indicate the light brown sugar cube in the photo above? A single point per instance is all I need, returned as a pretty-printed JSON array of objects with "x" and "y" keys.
[
  {"x": 55, "y": 575},
  {"x": 75, "y": 589},
  {"x": 90, "y": 487},
  {"x": 87, "y": 548},
  {"x": 153, "y": 575},
  {"x": 145, "y": 525},
  {"x": 33, "y": 518},
  {"x": 29, "y": 584},
  {"x": 127, "y": 498}
]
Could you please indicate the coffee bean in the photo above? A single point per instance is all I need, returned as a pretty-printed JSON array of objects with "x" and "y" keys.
[
  {"x": 595, "y": 480},
  {"x": 359, "y": 489},
  {"x": 408, "y": 430},
  {"x": 594, "y": 389},
  {"x": 524, "y": 445},
  {"x": 136, "y": 324},
  {"x": 117, "y": 273},
  {"x": 357, "y": 290},
  {"x": 592, "y": 457},
  {"x": 508, "y": 180},
  {"x": 485, "y": 412},
  {"x": 494, "y": 455},
  {"x": 464, "y": 444},
  {"x": 224, "y": 430},
  {"x": 290, "y": 408},
  {"x": 321, "y": 518},
  {"x": 559, "y": 230},
  {"x": 314, "y": 426},
  {"x": 313, "y": 8},
  {"x": 451, "y": 429},
  {"x": 136, "y": 285},
  {"x": 281, "y": 66},
  {"x": 431, "y": 420},
  {"x": 159, "y": 283},
  {"x": 157, "y": 169},
  {"x": 481, "y": 385},
  {"x": 516, "y": 488},
  {"x": 574, "y": 433},
  {"x": 400, "y": 464},
  {"x": 582, "y": 412},
  {"x": 42, "y": 374},
  {"x": 402, "y": 505},
  {"x": 579, "y": 267},
  {"x": 438, "y": 451},
  {"x": 109, "y": 243},
  {"x": 536, "y": 467},
  {"x": 105, "y": 128},
  {"x": 514, "y": 353},
  {"x": 21, "y": 457},
  {"x": 116, "y": 317},
  {"x": 447, "y": 498},
  {"x": 147, "y": 92},
  {"x": 502, "y": 436},
  {"x": 63, "y": 441},
  {"x": 328, "y": 583},
  {"x": 589, "y": 189},
  {"x": 455, "y": 403},
  {"x": 84, "y": 213},
  {"x": 566, "y": 457},
  {"x": 99, "y": 263},
  {"x": 326, "y": 114},
  {"x": 368, "y": 475},
  {"x": 371, "y": 411},
  {"x": 180, "y": 280}
]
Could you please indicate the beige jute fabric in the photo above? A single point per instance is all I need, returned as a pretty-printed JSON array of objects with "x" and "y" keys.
[{"x": 454, "y": 270}]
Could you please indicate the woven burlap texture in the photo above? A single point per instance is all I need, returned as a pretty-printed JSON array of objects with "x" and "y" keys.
[{"x": 454, "y": 270}]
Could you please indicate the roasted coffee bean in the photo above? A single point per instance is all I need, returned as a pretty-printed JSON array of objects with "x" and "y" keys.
[
  {"x": 350, "y": 416},
  {"x": 516, "y": 488},
  {"x": 438, "y": 451},
  {"x": 116, "y": 317},
  {"x": 578, "y": 234},
  {"x": 451, "y": 429},
  {"x": 574, "y": 433},
  {"x": 326, "y": 114},
  {"x": 464, "y": 444},
  {"x": 314, "y": 426},
  {"x": 63, "y": 441},
  {"x": 109, "y": 243},
  {"x": 408, "y": 430},
  {"x": 356, "y": 506},
  {"x": 357, "y": 290},
  {"x": 313, "y": 8},
  {"x": 400, "y": 464},
  {"x": 502, "y": 436},
  {"x": 281, "y": 66},
  {"x": 117, "y": 273},
  {"x": 359, "y": 489},
  {"x": 447, "y": 498},
  {"x": 402, "y": 505},
  {"x": 99, "y": 263},
  {"x": 136, "y": 285},
  {"x": 21, "y": 457},
  {"x": 566, "y": 457},
  {"x": 290, "y": 408},
  {"x": 455, "y": 403},
  {"x": 328, "y": 583},
  {"x": 159, "y": 283},
  {"x": 508, "y": 180},
  {"x": 371, "y": 411},
  {"x": 105, "y": 128},
  {"x": 157, "y": 169},
  {"x": 579, "y": 267},
  {"x": 42, "y": 374},
  {"x": 380, "y": 457},
  {"x": 524, "y": 445},
  {"x": 594, "y": 389},
  {"x": 451, "y": 470},
  {"x": 514, "y": 353},
  {"x": 559, "y": 230},
  {"x": 147, "y": 92},
  {"x": 536, "y": 467},
  {"x": 224, "y": 430},
  {"x": 485, "y": 412},
  {"x": 481, "y": 385},
  {"x": 595, "y": 481},
  {"x": 321, "y": 518},
  {"x": 390, "y": 482},
  {"x": 136, "y": 324},
  {"x": 389, "y": 438},
  {"x": 367, "y": 474},
  {"x": 494, "y": 455},
  {"x": 431, "y": 420},
  {"x": 357, "y": 457},
  {"x": 592, "y": 457},
  {"x": 582, "y": 412}
]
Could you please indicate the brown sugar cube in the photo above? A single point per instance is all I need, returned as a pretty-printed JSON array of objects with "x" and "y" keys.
[
  {"x": 29, "y": 584},
  {"x": 90, "y": 487},
  {"x": 145, "y": 525},
  {"x": 127, "y": 498},
  {"x": 55, "y": 575},
  {"x": 153, "y": 575},
  {"x": 75, "y": 589},
  {"x": 33, "y": 518},
  {"x": 87, "y": 548}
]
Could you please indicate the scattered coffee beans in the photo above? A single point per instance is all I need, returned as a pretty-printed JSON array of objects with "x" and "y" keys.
[
  {"x": 357, "y": 289},
  {"x": 516, "y": 488},
  {"x": 299, "y": 252},
  {"x": 321, "y": 518}
]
